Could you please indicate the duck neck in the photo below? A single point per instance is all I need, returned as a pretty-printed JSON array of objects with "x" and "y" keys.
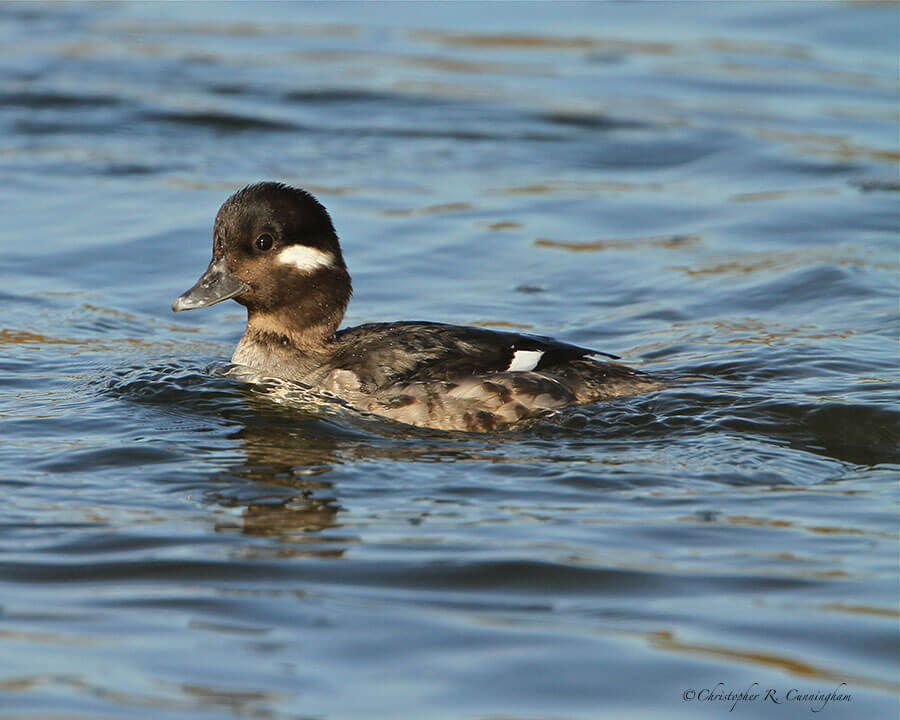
[
  {"x": 273, "y": 348},
  {"x": 280, "y": 332},
  {"x": 289, "y": 331}
]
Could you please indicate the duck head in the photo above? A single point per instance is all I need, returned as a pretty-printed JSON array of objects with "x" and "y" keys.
[{"x": 275, "y": 251}]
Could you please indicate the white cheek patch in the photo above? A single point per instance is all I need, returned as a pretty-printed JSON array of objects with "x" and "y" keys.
[
  {"x": 305, "y": 259},
  {"x": 525, "y": 360}
]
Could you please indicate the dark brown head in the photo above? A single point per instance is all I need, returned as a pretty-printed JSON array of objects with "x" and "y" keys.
[{"x": 275, "y": 251}]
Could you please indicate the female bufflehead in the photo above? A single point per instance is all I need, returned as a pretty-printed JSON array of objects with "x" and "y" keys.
[{"x": 275, "y": 252}]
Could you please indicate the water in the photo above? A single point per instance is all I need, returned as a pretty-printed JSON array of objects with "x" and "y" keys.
[{"x": 707, "y": 190}]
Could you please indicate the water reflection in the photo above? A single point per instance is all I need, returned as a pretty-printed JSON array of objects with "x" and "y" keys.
[
  {"x": 637, "y": 243},
  {"x": 285, "y": 458},
  {"x": 667, "y": 640}
]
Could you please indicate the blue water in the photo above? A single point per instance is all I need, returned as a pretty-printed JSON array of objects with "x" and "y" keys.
[{"x": 707, "y": 190}]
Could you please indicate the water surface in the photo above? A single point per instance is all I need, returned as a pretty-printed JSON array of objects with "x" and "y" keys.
[{"x": 708, "y": 190}]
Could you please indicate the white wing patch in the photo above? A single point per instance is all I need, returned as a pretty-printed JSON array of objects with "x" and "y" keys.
[
  {"x": 304, "y": 258},
  {"x": 525, "y": 360}
]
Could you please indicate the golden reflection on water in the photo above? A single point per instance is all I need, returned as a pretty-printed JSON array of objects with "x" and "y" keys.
[
  {"x": 238, "y": 701},
  {"x": 510, "y": 40},
  {"x": 862, "y": 609},
  {"x": 27, "y": 682},
  {"x": 766, "y": 195},
  {"x": 634, "y": 243},
  {"x": 782, "y": 260},
  {"x": 429, "y": 210},
  {"x": 737, "y": 331},
  {"x": 45, "y": 637},
  {"x": 25, "y": 337},
  {"x": 230, "y": 29},
  {"x": 504, "y": 225},
  {"x": 382, "y": 60},
  {"x": 837, "y": 147},
  {"x": 779, "y": 74},
  {"x": 775, "y": 523},
  {"x": 759, "y": 47},
  {"x": 666, "y": 640},
  {"x": 568, "y": 187},
  {"x": 9, "y": 336},
  {"x": 501, "y": 323},
  {"x": 539, "y": 42}
]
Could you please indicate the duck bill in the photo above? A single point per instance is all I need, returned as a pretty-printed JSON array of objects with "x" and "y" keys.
[{"x": 215, "y": 285}]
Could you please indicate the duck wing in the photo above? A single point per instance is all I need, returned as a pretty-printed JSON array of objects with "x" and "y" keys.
[{"x": 381, "y": 354}]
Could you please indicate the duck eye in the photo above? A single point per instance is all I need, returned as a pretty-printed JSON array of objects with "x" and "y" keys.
[{"x": 264, "y": 242}]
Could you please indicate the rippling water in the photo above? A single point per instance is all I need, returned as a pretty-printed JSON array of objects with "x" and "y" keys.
[{"x": 707, "y": 190}]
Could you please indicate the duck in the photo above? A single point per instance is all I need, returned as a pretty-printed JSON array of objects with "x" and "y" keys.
[{"x": 276, "y": 252}]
